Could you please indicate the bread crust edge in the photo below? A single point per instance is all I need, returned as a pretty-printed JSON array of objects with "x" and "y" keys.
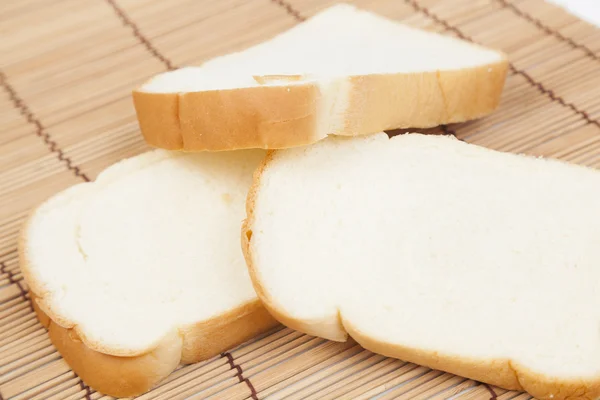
[
  {"x": 503, "y": 373},
  {"x": 264, "y": 117},
  {"x": 321, "y": 327},
  {"x": 285, "y": 115}
]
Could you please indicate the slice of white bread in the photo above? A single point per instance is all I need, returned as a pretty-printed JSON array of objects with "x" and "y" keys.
[
  {"x": 344, "y": 71},
  {"x": 142, "y": 269},
  {"x": 435, "y": 251}
]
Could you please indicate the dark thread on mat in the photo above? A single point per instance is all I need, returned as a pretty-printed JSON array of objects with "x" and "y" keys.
[
  {"x": 240, "y": 375},
  {"x": 289, "y": 9},
  {"x": 423, "y": 10},
  {"x": 40, "y": 131},
  {"x": 554, "y": 97},
  {"x": 489, "y": 388},
  {"x": 13, "y": 281},
  {"x": 548, "y": 30},
  {"x": 138, "y": 34},
  {"x": 532, "y": 82},
  {"x": 253, "y": 393},
  {"x": 448, "y": 131},
  {"x": 88, "y": 391}
]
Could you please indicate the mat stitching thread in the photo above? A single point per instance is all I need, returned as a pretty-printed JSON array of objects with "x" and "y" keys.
[
  {"x": 88, "y": 391},
  {"x": 448, "y": 131},
  {"x": 138, "y": 34},
  {"x": 489, "y": 388},
  {"x": 289, "y": 9},
  {"x": 12, "y": 281},
  {"x": 240, "y": 375},
  {"x": 40, "y": 131},
  {"x": 548, "y": 30},
  {"x": 532, "y": 82}
]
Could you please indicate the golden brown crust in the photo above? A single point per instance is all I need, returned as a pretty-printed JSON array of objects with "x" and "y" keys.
[
  {"x": 158, "y": 116},
  {"x": 113, "y": 375},
  {"x": 443, "y": 97},
  {"x": 281, "y": 116},
  {"x": 499, "y": 372},
  {"x": 131, "y": 376},
  {"x": 254, "y": 117},
  {"x": 206, "y": 339},
  {"x": 124, "y": 376}
]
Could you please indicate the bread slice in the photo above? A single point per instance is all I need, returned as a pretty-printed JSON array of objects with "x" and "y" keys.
[
  {"x": 435, "y": 251},
  {"x": 345, "y": 72},
  {"x": 142, "y": 269}
]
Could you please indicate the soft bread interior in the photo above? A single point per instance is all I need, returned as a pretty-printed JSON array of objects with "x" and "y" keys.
[
  {"x": 426, "y": 242},
  {"x": 150, "y": 247},
  {"x": 340, "y": 41}
]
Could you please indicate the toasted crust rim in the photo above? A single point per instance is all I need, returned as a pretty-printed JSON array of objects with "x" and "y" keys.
[{"x": 286, "y": 115}]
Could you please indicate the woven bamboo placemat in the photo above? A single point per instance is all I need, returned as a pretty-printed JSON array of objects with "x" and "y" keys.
[{"x": 67, "y": 69}]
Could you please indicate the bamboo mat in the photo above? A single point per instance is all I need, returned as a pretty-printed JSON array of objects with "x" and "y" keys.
[{"x": 67, "y": 69}]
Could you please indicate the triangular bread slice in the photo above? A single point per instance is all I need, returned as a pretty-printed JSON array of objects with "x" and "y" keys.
[
  {"x": 344, "y": 71},
  {"x": 435, "y": 251},
  {"x": 142, "y": 269}
]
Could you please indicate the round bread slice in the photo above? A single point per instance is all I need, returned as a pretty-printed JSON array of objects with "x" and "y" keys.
[
  {"x": 435, "y": 251},
  {"x": 142, "y": 269},
  {"x": 344, "y": 71}
]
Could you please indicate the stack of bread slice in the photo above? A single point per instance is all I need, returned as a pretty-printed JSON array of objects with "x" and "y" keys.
[{"x": 419, "y": 247}]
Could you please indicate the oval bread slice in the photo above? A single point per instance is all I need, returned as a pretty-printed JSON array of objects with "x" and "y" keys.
[
  {"x": 435, "y": 251},
  {"x": 344, "y": 71},
  {"x": 142, "y": 269}
]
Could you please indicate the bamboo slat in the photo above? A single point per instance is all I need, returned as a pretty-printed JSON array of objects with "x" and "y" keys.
[{"x": 67, "y": 70}]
